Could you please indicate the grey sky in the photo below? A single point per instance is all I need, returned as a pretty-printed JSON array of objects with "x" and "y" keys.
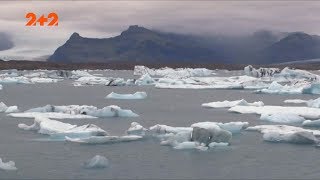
[{"x": 109, "y": 18}]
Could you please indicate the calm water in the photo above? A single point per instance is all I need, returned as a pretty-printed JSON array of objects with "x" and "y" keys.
[{"x": 248, "y": 156}]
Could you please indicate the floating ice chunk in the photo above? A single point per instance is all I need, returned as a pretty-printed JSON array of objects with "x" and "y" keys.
[
  {"x": 210, "y": 134},
  {"x": 12, "y": 109},
  {"x": 313, "y": 88},
  {"x": 4, "y": 108},
  {"x": 14, "y": 80},
  {"x": 43, "y": 80},
  {"x": 261, "y": 72},
  {"x": 91, "y": 111},
  {"x": 137, "y": 95},
  {"x": 145, "y": 79},
  {"x": 136, "y": 129},
  {"x": 306, "y": 112},
  {"x": 314, "y": 103},
  {"x": 220, "y": 144},
  {"x": 8, "y": 166},
  {"x": 289, "y": 134},
  {"x": 315, "y": 123},
  {"x": 295, "y": 101},
  {"x": 234, "y": 127},
  {"x": 282, "y": 117},
  {"x": 169, "y": 72},
  {"x": 59, "y": 129},
  {"x": 53, "y": 115},
  {"x": 97, "y": 162},
  {"x": 276, "y": 88},
  {"x": 172, "y": 139},
  {"x": 225, "y": 104},
  {"x": 297, "y": 74},
  {"x": 190, "y": 145},
  {"x": 104, "y": 139},
  {"x": 163, "y": 129}
]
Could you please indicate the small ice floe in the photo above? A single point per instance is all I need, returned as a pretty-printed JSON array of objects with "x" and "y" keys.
[
  {"x": 11, "y": 109},
  {"x": 306, "y": 112},
  {"x": 295, "y": 101},
  {"x": 136, "y": 129},
  {"x": 198, "y": 136},
  {"x": 104, "y": 139},
  {"x": 76, "y": 111},
  {"x": 227, "y": 104},
  {"x": 137, "y": 95},
  {"x": 58, "y": 130},
  {"x": 96, "y": 162},
  {"x": 288, "y": 134},
  {"x": 7, "y": 166},
  {"x": 43, "y": 80},
  {"x": 283, "y": 117}
]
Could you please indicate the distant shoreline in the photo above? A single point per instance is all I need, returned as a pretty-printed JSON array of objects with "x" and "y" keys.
[{"x": 33, "y": 65}]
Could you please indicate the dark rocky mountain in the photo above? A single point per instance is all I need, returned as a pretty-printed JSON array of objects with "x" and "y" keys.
[
  {"x": 138, "y": 44},
  {"x": 294, "y": 47}
]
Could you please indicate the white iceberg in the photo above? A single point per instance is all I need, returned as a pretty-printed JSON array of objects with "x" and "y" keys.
[
  {"x": 137, "y": 95},
  {"x": 233, "y": 127},
  {"x": 306, "y": 112},
  {"x": 53, "y": 115},
  {"x": 295, "y": 101},
  {"x": 169, "y": 72},
  {"x": 145, "y": 79},
  {"x": 276, "y": 88},
  {"x": 136, "y": 129},
  {"x": 97, "y": 162},
  {"x": 289, "y": 134},
  {"x": 314, "y": 103},
  {"x": 261, "y": 72},
  {"x": 77, "y": 111},
  {"x": 227, "y": 104},
  {"x": 282, "y": 117},
  {"x": 309, "y": 123},
  {"x": 216, "y": 145},
  {"x": 57, "y": 129},
  {"x": 8, "y": 166},
  {"x": 4, "y": 108},
  {"x": 103, "y": 139},
  {"x": 190, "y": 145},
  {"x": 43, "y": 80}
]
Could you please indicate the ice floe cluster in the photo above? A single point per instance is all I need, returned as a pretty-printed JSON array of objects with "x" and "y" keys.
[{"x": 75, "y": 111}]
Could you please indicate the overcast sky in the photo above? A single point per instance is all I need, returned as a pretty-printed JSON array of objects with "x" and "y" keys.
[{"x": 109, "y": 18}]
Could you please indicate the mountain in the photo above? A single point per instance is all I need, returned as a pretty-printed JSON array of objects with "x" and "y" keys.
[
  {"x": 138, "y": 44},
  {"x": 294, "y": 47}
]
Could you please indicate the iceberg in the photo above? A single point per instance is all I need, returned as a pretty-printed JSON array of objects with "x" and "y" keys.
[
  {"x": 4, "y": 108},
  {"x": 295, "y": 101},
  {"x": 313, "y": 88},
  {"x": 313, "y": 103},
  {"x": 53, "y": 115},
  {"x": 234, "y": 127},
  {"x": 57, "y": 129},
  {"x": 315, "y": 123},
  {"x": 216, "y": 145},
  {"x": 145, "y": 79},
  {"x": 210, "y": 134},
  {"x": 288, "y": 134},
  {"x": 136, "y": 129},
  {"x": 104, "y": 139},
  {"x": 137, "y": 95},
  {"x": 169, "y": 72},
  {"x": 96, "y": 162},
  {"x": 7, "y": 166},
  {"x": 77, "y": 111},
  {"x": 227, "y": 104},
  {"x": 261, "y": 72},
  {"x": 282, "y": 117},
  {"x": 43, "y": 80},
  {"x": 276, "y": 88},
  {"x": 306, "y": 112},
  {"x": 190, "y": 145}
]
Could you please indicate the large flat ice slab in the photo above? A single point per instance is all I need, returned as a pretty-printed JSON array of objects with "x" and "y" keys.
[
  {"x": 306, "y": 112},
  {"x": 136, "y": 95},
  {"x": 227, "y": 104}
]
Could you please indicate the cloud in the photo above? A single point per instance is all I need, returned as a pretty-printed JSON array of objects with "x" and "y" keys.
[{"x": 109, "y": 18}]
